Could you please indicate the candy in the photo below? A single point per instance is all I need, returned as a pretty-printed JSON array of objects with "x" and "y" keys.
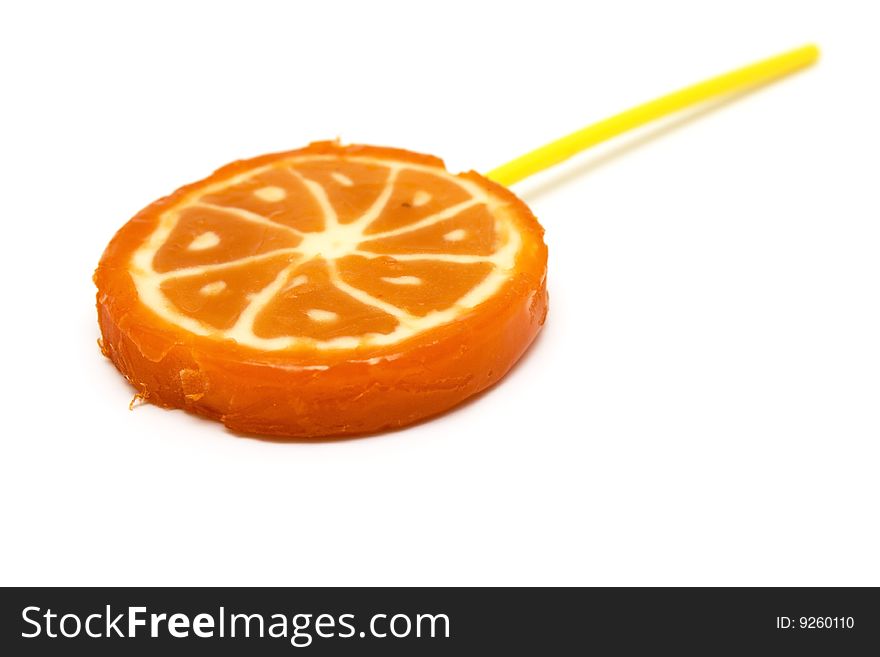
[{"x": 328, "y": 291}]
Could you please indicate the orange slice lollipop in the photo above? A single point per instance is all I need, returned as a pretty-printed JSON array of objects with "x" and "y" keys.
[
  {"x": 331, "y": 290},
  {"x": 337, "y": 289}
]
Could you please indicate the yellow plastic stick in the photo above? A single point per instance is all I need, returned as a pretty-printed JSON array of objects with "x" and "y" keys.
[{"x": 738, "y": 80}]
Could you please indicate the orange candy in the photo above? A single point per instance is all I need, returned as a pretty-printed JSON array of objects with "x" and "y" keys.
[{"x": 327, "y": 291}]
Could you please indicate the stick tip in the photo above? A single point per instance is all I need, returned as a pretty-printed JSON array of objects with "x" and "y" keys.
[{"x": 811, "y": 52}]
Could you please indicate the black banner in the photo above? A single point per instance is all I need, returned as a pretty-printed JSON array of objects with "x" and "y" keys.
[{"x": 415, "y": 621}]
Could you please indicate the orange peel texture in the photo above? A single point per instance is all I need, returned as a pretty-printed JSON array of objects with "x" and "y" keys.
[{"x": 328, "y": 291}]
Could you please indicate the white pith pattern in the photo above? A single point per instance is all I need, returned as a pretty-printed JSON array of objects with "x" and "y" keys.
[{"x": 335, "y": 241}]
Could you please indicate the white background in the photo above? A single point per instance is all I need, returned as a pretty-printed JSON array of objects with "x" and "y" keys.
[{"x": 703, "y": 406}]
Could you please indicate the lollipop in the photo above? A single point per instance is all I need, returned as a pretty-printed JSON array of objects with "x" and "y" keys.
[{"x": 337, "y": 290}]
